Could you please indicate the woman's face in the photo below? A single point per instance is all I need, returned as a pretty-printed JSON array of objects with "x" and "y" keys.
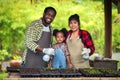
[{"x": 74, "y": 26}]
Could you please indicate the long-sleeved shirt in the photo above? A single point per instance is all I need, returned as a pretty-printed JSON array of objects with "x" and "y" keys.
[
  {"x": 86, "y": 39},
  {"x": 33, "y": 34},
  {"x": 64, "y": 48}
]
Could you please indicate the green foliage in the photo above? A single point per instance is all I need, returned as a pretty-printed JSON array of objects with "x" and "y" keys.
[
  {"x": 4, "y": 55},
  {"x": 16, "y": 15},
  {"x": 115, "y": 32},
  {"x": 3, "y": 75}
]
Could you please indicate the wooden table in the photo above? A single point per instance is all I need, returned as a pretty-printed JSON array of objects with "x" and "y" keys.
[
  {"x": 79, "y": 78},
  {"x": 16, "y": 76}
]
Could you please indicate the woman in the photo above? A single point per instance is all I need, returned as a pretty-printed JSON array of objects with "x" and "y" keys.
[{"x": 78, "y": 40}]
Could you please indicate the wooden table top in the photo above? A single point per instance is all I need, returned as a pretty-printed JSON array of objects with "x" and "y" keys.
[{"x": 78, "y": 78}]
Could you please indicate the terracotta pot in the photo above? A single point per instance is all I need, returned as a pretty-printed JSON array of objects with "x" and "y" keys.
[{"x": 15, "y": 63}]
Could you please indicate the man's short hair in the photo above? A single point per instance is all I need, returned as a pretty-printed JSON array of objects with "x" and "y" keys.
[{"x": 50, "y": 8}]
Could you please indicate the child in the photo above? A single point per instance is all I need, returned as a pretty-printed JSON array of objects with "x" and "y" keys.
[{"x": 61, "y": 56}]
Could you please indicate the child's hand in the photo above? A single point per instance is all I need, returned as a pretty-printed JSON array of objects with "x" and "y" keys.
[
  {"x": 70, "y": 65},
  {"x": 49, "y": 66}
]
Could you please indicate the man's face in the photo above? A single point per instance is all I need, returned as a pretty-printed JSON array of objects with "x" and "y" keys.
[{"x": 48, "y": 17}]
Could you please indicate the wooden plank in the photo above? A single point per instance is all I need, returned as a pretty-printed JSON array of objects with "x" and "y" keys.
[
  {"x": 108, "y": 28},
  {"x": 51, "y": 79},
  {"x": 23, "y": 79},
  {"x": 110, "y": 78},
  {"x": 30, "y": 79},
  {"x": 90, "y": 78},
  {"x": 81, "y": 78},
  {"x": 72, "y": 79},
  {"x": 13, "y": 75},
  {"x": 11, "y": 79}
]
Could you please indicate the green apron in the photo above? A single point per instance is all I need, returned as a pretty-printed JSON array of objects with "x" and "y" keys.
[{"x": 75, "y": 47}]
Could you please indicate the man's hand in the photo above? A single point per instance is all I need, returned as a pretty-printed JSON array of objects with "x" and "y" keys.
[{"x": 48, "y": 51}]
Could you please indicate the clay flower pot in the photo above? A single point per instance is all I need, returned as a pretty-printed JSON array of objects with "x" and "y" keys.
[{"x": 15, "y": 63}]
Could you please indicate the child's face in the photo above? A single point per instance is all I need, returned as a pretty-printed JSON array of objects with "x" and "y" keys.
[{"x": 60, "y": 37}]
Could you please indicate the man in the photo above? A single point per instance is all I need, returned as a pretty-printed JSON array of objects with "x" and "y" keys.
[{"x": 38, "y": 40}]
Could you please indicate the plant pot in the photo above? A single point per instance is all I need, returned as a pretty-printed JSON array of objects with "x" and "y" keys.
[{"x": 15, "y": 63}]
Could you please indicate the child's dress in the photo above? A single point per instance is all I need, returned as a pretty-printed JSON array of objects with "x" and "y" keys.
[{"x": 59, "y": 59}]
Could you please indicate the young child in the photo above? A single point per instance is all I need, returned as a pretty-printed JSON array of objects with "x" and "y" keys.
[{"x": 61, "y": 57}]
